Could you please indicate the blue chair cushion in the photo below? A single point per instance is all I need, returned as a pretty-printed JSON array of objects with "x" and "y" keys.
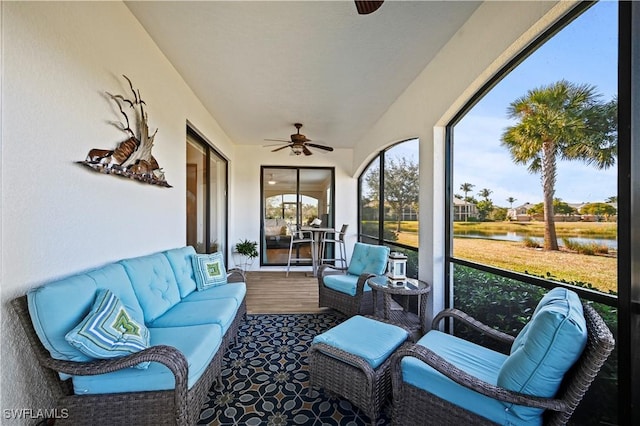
[
  {"x": 344, "y": 283},
  {"x": 154, "y": 284},
  {"x": 476, "y": 360},
  {"x": 180, "y": 261},
  {"x": 109, "y": 330},
  {"x": 213, "y": 311},
  {"x": 198, "y": 343},
  {"x": 368, "y": 258},
  {"x": 236, "y": 291},
  {"x": 545, "y": 349},
  {"x": 209, "y": 270},
  {"x": 371, "y": 340}
]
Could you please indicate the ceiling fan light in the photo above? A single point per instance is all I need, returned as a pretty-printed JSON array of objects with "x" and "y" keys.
[{"x": 297, "y": 149}]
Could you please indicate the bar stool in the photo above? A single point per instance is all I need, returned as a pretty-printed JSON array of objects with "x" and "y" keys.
[
  {"x": 338, "y": 243},
  {"x": 298, "y": 238}
]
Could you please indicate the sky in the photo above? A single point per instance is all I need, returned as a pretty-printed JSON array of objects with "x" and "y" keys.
[{"x": 584, "y": 52}]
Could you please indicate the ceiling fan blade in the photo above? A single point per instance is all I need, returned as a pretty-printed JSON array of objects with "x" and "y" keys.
[
  {"x": 306, "y": 150},
  {"x": 278, "y": 149},
  {"x": 278, "y": 140},
  {"x": 367, "y": 7},
  {"x": 326, "y": 148}
]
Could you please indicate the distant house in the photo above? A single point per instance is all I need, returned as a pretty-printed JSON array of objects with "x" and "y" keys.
[
  {"x": 520, "y": 213},
  {"x": 463, "y": 210}
]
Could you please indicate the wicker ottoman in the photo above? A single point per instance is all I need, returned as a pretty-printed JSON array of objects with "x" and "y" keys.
[{"x": 353, "y": 360}]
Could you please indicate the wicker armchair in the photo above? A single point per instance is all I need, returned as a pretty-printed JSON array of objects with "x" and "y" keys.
[
  {"x": 346, "y": 290},
  {"x": 417, "y": 406}
]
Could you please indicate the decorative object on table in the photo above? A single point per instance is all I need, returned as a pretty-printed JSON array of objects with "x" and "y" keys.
[
  {"x": 132, "y": 158},
  {"x": 244, "y": 253},
  {"x": 397, "y": 268},
  {"x": 316, "y": 222}
]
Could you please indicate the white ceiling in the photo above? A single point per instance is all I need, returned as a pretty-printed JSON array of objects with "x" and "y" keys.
[{"x": 259, "y": 67}]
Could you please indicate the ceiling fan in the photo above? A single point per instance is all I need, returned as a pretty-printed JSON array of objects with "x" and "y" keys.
[
  {"x": 367, "y": 7},
  {"x": 299, "y": 143}
]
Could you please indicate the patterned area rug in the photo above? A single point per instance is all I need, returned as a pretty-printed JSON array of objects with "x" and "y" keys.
[{"x": 265, "y": 377}]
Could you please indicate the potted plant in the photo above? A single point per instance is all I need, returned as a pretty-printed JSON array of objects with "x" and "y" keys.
[{"x": 247, "y": 250}]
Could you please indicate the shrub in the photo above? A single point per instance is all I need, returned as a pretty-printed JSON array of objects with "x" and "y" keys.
[
  {"x": 585, "y": 248},
  {"x": 531, "y": 242}
]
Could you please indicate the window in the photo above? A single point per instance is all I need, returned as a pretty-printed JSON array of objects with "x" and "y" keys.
[
  {"x": 530, "y": 207},
  {"x": 394, "y": 221}
]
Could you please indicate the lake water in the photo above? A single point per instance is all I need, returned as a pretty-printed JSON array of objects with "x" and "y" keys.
[{"x": 515, "y": 236}]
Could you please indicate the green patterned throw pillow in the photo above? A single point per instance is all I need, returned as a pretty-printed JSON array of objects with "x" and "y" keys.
[
  {"x": 109, "y": 330},
  {"x": 209, "y": 270}
]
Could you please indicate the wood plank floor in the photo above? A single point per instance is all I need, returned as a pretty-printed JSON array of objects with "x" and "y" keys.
[{"x": 275, "y": 293}]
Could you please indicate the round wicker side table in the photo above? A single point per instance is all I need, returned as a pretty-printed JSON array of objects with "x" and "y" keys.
[{"x": 394, "y": 311}]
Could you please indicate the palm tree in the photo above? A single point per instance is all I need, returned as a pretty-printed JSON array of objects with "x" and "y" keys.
[
  {"x": 484, "y": 193},
  {"x": 466, "y": 188},
  {"x": 511, "y": 200},
  {"x": 562, "y": 120}
]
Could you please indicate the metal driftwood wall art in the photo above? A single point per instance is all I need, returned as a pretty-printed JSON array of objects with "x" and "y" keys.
[{"x": 132, "y": 158}]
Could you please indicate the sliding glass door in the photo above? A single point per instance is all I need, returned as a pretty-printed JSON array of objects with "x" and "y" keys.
[
  {"x": 294, "y": 196},
  {"x": 206, "y": 196}
]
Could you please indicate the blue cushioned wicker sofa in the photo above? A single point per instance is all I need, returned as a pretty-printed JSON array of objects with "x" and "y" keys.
[{"x": 139, "y": 341}]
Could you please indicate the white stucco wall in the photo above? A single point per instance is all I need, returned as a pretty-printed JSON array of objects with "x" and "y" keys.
[
  {"x": 58, "y": 217},
  {"x": 492, "y": 36}
]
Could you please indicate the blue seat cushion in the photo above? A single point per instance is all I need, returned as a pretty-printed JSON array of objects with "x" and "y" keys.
[
  {"x": 368, "y": 258},
  {"x": 180, "y": 261},
  {"x": 198, "y": 343},
  {"x": 212, "y": 311},
  {"x": 154, "y": 284},
  {"x": 344, "y": 283},
  {"x": 236, "y": 291},
  {"x": 58, "y": 306},
  {"x": 476, "y": 360},
  {"x": 371, "y": 340},
  {"x": 546, "y": 348}
]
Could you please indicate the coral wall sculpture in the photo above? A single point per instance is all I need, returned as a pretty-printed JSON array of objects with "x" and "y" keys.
[{"x": 132, "y": 158}]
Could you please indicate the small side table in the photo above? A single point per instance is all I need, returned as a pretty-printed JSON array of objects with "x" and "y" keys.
[{"x": 396, "y": 313}]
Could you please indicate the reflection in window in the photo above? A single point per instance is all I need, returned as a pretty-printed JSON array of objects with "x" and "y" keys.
[
  {"x": 206, "y": 196},
  {"x": 394, "y": 220},
  {"x": 296, "y": 196}
]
